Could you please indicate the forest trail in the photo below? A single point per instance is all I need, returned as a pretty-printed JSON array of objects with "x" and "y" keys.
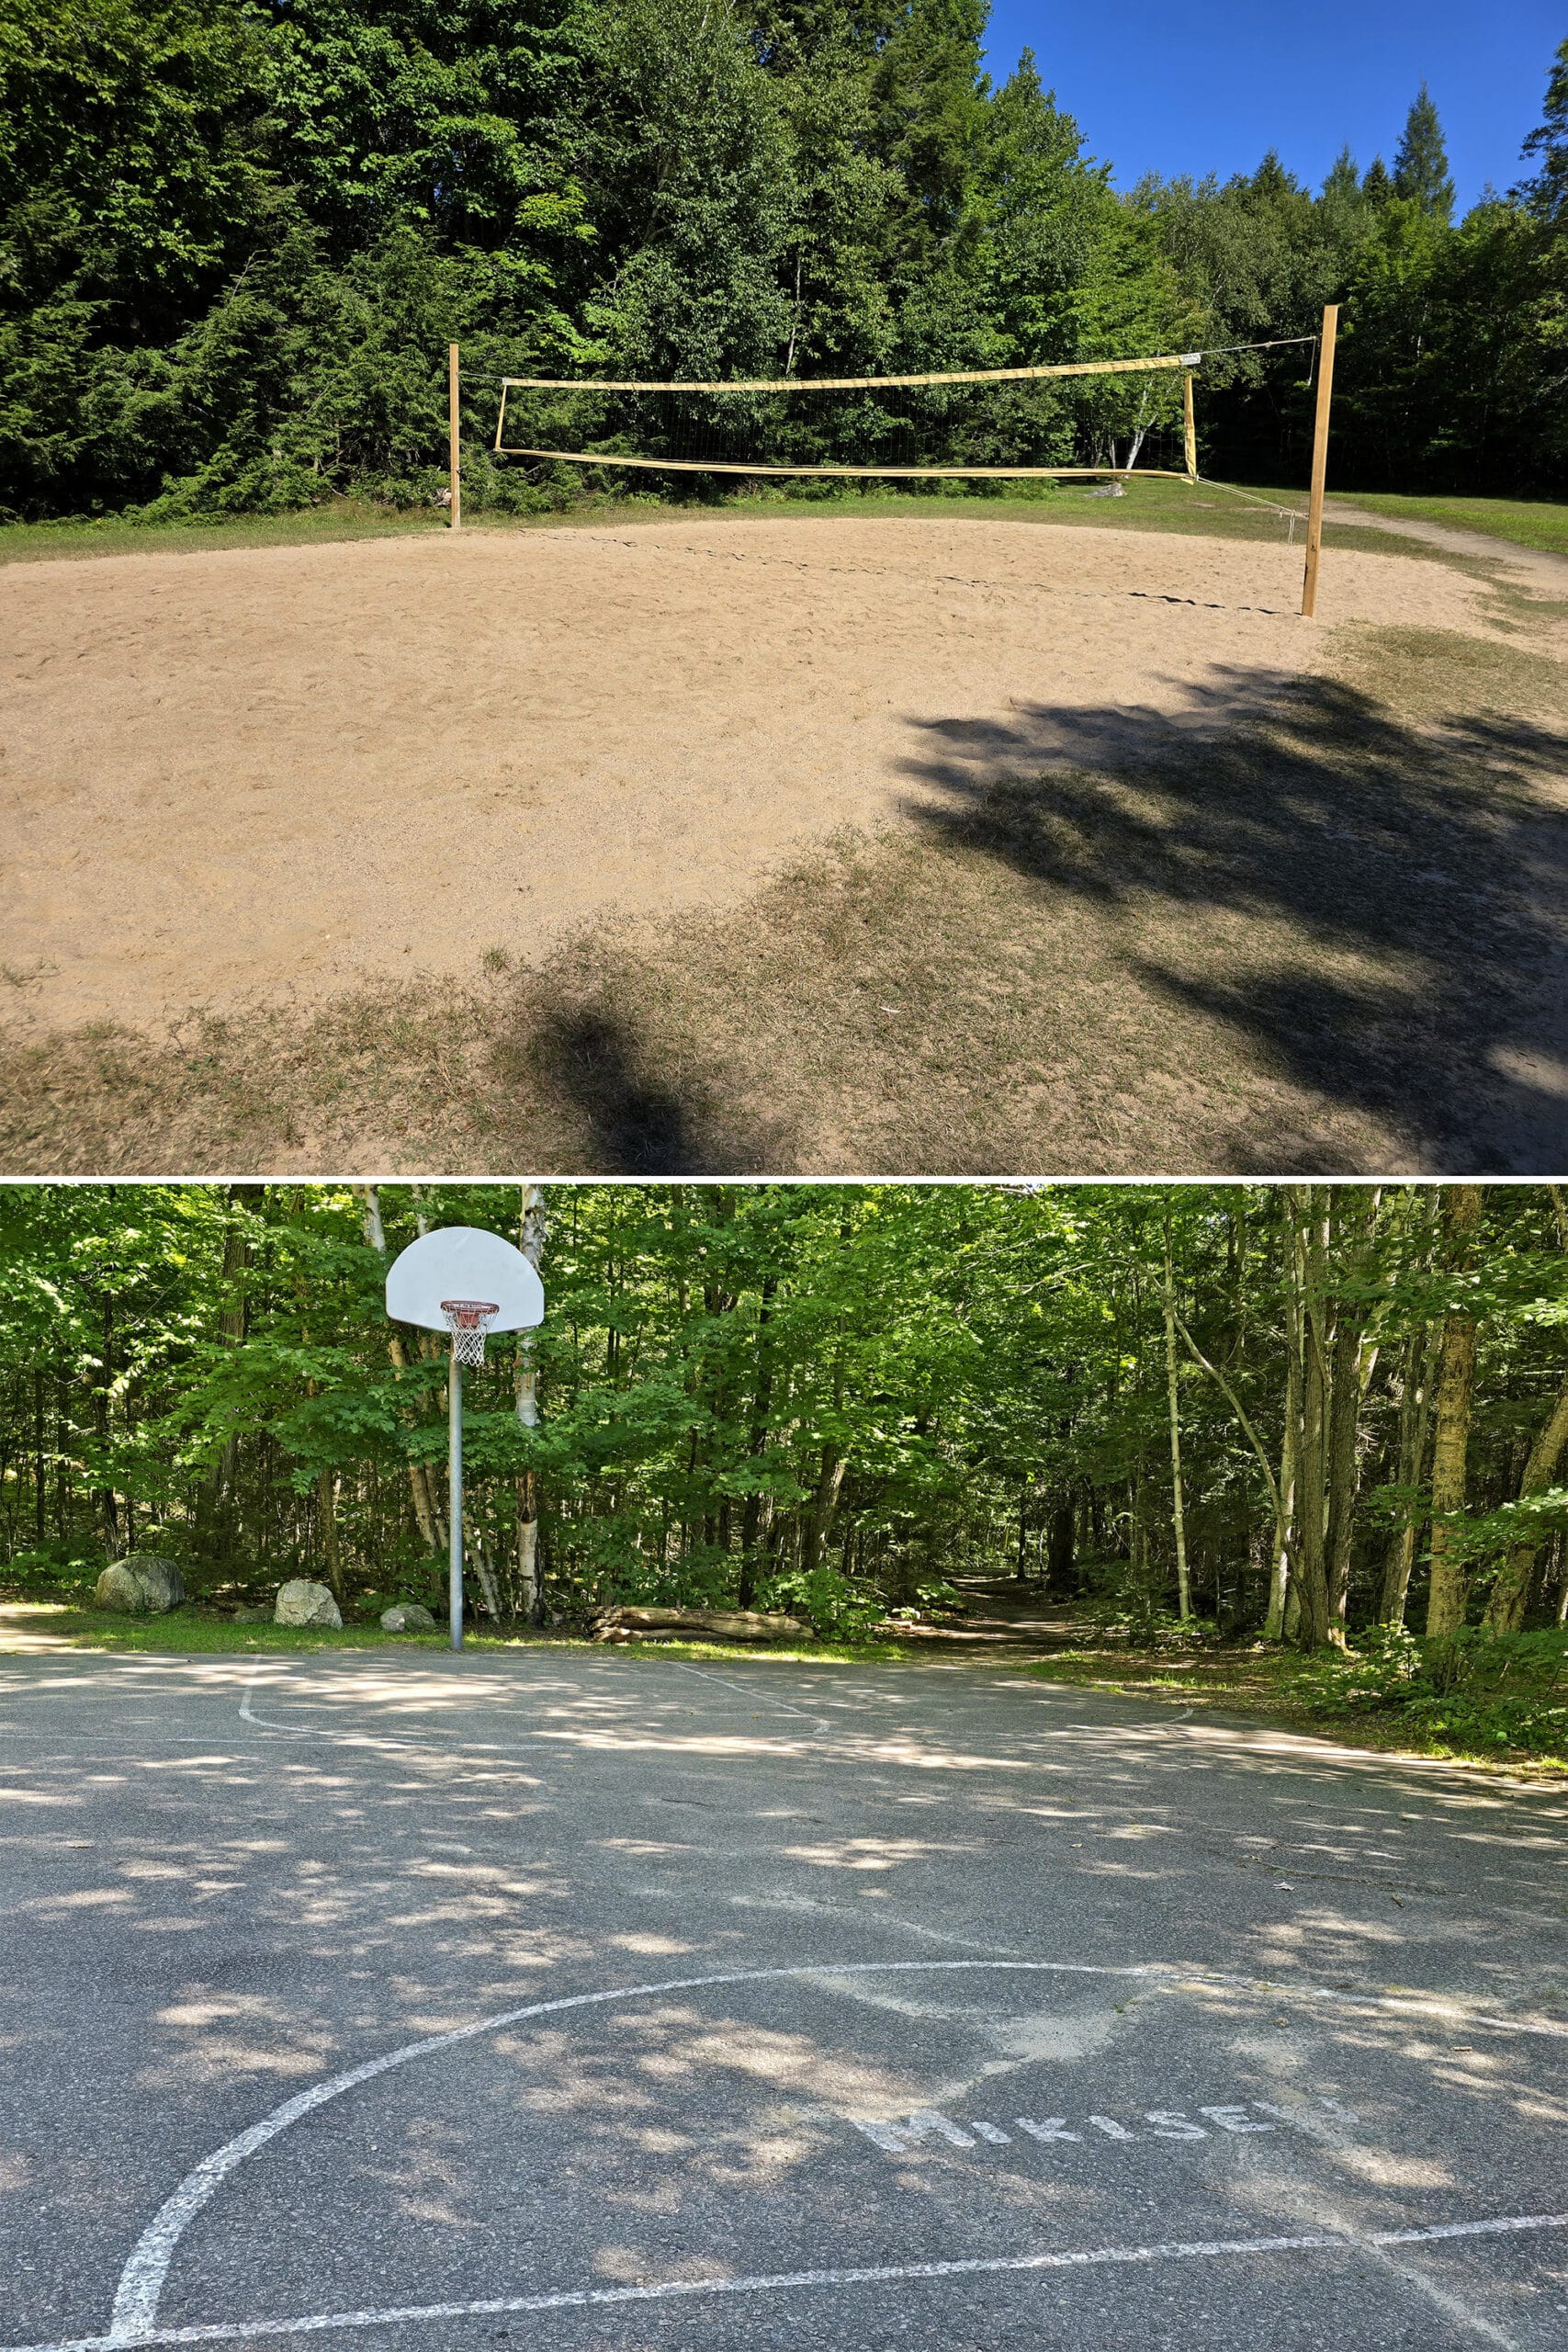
[{"x": 1003, "y": 1612}]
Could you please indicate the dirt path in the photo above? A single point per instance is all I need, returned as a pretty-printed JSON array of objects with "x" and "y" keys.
[
  {"x": 1536, "y": 570},
  {"x": 278, "y": 773},
  {"x": 1002, "y": 1614}
]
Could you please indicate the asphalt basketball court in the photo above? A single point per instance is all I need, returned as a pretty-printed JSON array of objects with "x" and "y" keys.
[{"x": 580, "y": 2000}]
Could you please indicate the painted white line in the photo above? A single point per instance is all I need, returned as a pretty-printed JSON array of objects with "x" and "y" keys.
[
  {"x": 141, "y": 2281},
  {"x": 770, "y": 1705},
  {"x": 1437, "y": 2230},
  {"x": 481, "y": 1751},
  {"x": 589, "y": 2298},
  {"x": 140, "y": 2285},
  {"x": 293, "y": 1731},
  {"x": 454, "y": 1749},
  {"x": 338, "y": 1738}
]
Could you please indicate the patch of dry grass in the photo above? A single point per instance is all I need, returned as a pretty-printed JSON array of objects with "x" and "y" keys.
[{"x": 1326, "y": 939}]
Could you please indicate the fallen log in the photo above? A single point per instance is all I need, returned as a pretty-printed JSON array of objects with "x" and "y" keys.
[{"x": 628, "y": 1624}]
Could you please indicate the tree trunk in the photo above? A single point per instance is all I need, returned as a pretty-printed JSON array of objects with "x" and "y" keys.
[
  {"x": 326, "y": 1500},
  {"x": 484, "y": 1574},
  {"x": 1451, "y": 1445},
  {"x": 824, "y": 1503},
  {"x": 1415, "y": 1421},
  {"x": 1354, "y": 1359},
  {"x": 101, "y": 1421},
  {"x": 532, "y": 1231},
  {"x": 751, "y": 1515},
  {"x": 1059, "y": 1563},
  {"x": 1510, "y": 1594},
  {"x": 1310, "y": 1244},
  {"x": 216, "y": 1503},
  {"x": 428, "y": 1515},
  {"x": 41, "y": 1467},
  {"x": 1178, "y": 1516},
  {"x": 1339, "y": 1500},
  {"x": 1286, "y": 1491}
]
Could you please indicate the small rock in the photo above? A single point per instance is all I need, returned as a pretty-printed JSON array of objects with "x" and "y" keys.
[
  {"x": 144, "y": 1583},
  {"x": 408, "y": 1617},
  {"x": 302, "y": 1601},
  {"x": 252, "y": 1616}
]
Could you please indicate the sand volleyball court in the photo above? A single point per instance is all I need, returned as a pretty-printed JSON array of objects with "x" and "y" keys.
[{"x": 258, "y": 775}]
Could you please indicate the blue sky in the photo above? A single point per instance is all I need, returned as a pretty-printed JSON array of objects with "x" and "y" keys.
[{"x": 1210, "y": 84}]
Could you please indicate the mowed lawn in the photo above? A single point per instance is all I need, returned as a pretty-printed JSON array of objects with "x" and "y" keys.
[{"x": 1528, "y": 522}]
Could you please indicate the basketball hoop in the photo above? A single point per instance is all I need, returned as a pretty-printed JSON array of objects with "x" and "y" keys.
[
  {"x": 469, "y": 1319},
  {"x": 462, "y": 1258}
]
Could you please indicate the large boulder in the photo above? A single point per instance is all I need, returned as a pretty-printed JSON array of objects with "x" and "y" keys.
[
  {"x": 143, "y": 1583},
  {"x": 406, "y": 1617},
  {"x": 302, "y": 1602}
]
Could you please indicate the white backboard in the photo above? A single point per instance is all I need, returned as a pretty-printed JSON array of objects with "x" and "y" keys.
[{"x": 464, "y": 1261}]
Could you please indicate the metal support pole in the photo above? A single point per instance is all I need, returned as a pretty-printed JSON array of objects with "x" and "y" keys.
[
  {"x": 1319, "y": 458},
  {"x": 455, "y": 1500},
  {"x": 453, "y": 451}
]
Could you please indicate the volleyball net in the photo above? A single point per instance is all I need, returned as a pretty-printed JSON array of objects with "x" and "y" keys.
[
  {"x": 1098, "y": 419},
  {"x": 1104, "y": 420}
]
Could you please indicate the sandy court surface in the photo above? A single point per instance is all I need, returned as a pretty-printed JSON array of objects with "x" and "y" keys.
[{"x": 262, "y": 771}]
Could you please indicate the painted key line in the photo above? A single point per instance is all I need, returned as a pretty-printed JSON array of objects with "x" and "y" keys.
[
  {"x": 1067, "y": 2258},
  {"x": 135, "y": 2317},
  {"x": 897, "y": 2135}
]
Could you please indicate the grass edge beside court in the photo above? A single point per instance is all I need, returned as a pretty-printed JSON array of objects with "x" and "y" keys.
[
  {"x": 1214, "y": 508},
  {"x": 1537, "y": 523}
]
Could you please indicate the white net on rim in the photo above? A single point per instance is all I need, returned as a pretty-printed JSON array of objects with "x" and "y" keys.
[{"x": 469, "y": 1319}]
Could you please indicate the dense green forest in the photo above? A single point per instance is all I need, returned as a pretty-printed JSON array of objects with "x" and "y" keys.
[
  {"x": 1290, "y": 1409},
  {"x": 236, "y": 236}
]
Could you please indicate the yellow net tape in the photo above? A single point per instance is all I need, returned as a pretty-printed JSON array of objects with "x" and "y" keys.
[{"x": 859, "y": 383}]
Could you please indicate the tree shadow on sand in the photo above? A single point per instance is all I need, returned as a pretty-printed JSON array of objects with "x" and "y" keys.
[{"x": 1379, "y": 908}]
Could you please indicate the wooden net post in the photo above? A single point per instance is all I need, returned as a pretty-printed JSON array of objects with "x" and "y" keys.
[
  {"x": 1319, "y": 458},
  {"x": 1189, "y": 424},
  {"x": 453, "y": 446}
]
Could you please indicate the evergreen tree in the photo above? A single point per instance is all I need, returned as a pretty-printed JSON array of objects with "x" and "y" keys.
[
  {"x": 235, "y": 236},
  {"x": 1342, "y": 209},
  {"x": 1546, "y": 193},
  {"x": 1421, "y": 161},
  {"x": 1343, "y": 184}
]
